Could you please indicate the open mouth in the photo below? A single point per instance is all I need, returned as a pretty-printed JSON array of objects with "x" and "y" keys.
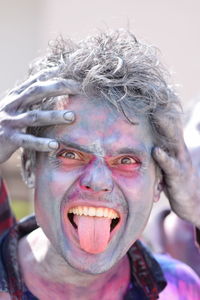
[
  {"x": 99, "y": 212},
  {"x": 94, "y": 226}
]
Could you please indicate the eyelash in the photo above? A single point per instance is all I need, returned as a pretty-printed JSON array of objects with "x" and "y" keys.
[
  {"x": 115, "y": 163},
  {"x": 132, "y": 160},
  {"x": 72, "y": 152}
]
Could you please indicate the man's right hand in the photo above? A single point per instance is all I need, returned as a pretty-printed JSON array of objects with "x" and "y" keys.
[{"x": 15, "y": 116}]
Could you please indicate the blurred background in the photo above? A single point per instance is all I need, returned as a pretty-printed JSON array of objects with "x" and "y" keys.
[{"x": 27, "y": 26}]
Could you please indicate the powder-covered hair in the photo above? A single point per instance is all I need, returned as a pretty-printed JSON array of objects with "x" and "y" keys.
[{"x": 114, "y": 66}]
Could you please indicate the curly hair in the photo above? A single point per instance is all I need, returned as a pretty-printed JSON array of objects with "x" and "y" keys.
[{"x": 118, "y": 68}]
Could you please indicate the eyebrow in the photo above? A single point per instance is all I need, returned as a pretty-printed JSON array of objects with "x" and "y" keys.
[
  {"x": 74, "y": 145},
  {"x": 142, "y": 151}
]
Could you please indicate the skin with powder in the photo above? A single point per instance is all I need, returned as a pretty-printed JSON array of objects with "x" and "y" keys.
[
  {"x": 96, "y": 177},
  {"x": 101, "y": 162}
]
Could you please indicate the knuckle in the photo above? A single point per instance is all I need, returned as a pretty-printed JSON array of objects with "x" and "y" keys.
[
  {"x": 5, "y": 119},
  {"x": 61, "y": 85},
  {"x": 35, "y": 142},
  {"x": 53, "y": 115},
  {"x": 5, "y": 122},
  {"x": 40, "y": 145},
  {"x": 3, "y": 134},
  {"x": 33, "y": 117},
  {"x": 175, "y": 169},
  {"x": 23, "y": 142},
  {"x": 35, "y": 89},
  {"x": 26, "y": 142}
]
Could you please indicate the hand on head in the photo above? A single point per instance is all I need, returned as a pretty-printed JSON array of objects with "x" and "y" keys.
[
  {"x": 16, "y": 116},
  {"x": 180, "y": 178}
]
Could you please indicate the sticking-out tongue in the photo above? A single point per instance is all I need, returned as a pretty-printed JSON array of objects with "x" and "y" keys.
[{"x": 93, "y": 232}]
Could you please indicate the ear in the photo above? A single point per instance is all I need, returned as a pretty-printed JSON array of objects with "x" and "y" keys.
[
  {"x": 158, "y": 187},
  {"x": 28, "y": 163}
]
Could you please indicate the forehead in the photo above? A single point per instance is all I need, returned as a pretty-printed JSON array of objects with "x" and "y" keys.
[{"x": 98, "y": 124}]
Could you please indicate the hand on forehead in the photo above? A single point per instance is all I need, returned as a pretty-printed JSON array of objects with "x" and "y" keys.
[{"x": 16, "y": 117}]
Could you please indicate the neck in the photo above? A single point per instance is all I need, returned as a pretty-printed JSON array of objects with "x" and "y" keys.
[{"x": 52, "y": 277}]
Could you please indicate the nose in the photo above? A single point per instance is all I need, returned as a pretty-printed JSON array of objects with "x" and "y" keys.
[{"x": 97, "y": 177}]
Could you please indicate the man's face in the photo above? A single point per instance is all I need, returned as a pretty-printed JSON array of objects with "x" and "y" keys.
[{"x": 94, "y": 195}]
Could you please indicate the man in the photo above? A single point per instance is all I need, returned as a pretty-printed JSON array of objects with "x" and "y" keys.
[{"x": 94, "y": 175}]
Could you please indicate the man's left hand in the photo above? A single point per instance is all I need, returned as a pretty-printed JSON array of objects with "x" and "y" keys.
[{"x": 181, "y": 181}]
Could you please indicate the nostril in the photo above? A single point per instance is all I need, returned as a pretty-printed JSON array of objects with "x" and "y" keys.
[
  {"x": 85, "y": 187},
  {"x": 92, "y": 186}
]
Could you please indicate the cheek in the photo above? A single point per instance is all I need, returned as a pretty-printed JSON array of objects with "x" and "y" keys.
[
  {"x": 135, "y": 187},
  {"x": 62, "y": 181},
  {"x": 138, "y": 193},
  {"x": 54, "y": 181},
  {"x": 47, "y": 204}
]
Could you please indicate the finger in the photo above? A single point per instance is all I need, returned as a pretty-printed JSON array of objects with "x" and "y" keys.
[
  {"x": 173, "y": 125},
  {"x": 172, "y": 130},
  {"x": 174, "y": 134},
  {"x": 40, "y": 76},
  {"x": 168, "y": 164},
  {"x": 41, "y": 118},
  {"x": 35, "y": 143},
  {"x": 41, "y": 90}
]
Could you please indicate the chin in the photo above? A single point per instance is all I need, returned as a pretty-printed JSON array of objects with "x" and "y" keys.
[{"x": 88, "y": 263}]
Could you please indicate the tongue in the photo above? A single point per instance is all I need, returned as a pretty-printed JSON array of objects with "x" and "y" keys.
[{"x": 93, "y": 232}]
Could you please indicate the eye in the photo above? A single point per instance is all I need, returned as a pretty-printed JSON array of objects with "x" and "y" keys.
[
  {"x": 70, "y": 155},
  {"x": 125, "y": 164},
  {"x": 127, "y": 160}
]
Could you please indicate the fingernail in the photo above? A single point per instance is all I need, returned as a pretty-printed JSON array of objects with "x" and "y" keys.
[
  {"x": 53, "y": 145},
  {"x": 158, "y": 150},
  {"x": 69, "y": 116}
]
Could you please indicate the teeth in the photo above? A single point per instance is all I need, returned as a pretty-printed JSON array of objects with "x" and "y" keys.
[
  {"x": 99, "y": 212},
  {"x": 94, "y": 212},
  {"x": 105, "y": 212},
  {"x": 110, "y": 214},
  {"x": 85, "y": 211},
  {"x": 91, "y": 211}
]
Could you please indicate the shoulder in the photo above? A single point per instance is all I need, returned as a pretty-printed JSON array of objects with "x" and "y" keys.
[
  {"x": 182, "y": 281},
  {"x": 4, "y": 296}
]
